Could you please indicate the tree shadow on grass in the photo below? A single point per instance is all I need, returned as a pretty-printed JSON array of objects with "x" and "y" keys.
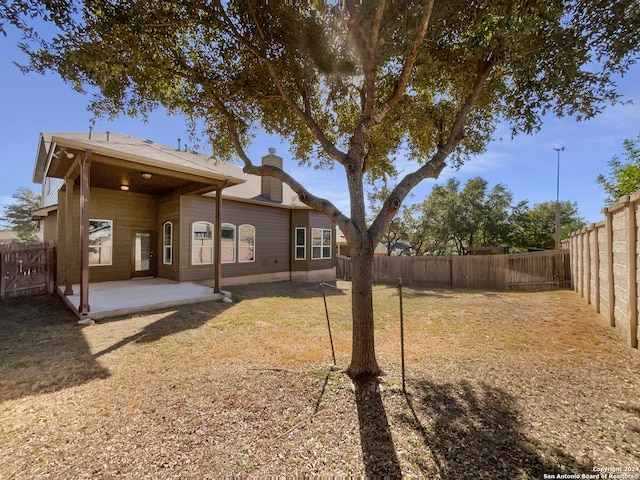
[
  {"x": 42, "y": 350},
  {"x": 171, "y": 321},
  {"x": 378, "y": 450},
  {"x": 286, "y": 289},
  {"x": 477, "y": 433}
]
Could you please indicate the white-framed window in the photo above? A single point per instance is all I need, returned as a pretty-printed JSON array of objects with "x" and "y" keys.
[
  {"x": 301, "y": 243},
  {"x": 228, "y": 244},
  {"x": 202, "y": 243},
  {"x": 246, "y": 243},
  {"x": 100, "y": 242},
  {"x": 167, "y": 243},
  {"x": 320, "y": 243}
]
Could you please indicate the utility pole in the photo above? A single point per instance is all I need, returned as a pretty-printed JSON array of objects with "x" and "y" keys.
[{"x": 558, "y": 149}]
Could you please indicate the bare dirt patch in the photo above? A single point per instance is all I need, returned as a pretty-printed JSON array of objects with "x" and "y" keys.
[{"x": 500, "y": 385}]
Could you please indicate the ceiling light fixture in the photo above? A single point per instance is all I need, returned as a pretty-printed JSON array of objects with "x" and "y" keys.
[
  {"x": 146, "y": 175},
  {"x": 124, "y": 187}
]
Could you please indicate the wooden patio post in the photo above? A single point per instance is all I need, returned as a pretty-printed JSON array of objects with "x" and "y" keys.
[
  {"x": 68, "y": 234},
  {"x": 85, "y": 167},
  {"x": 217, "y": 246}
]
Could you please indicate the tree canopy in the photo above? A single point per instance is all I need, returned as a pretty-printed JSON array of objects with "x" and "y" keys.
[
  {"x": 350, "y": 84},
  {"x": 452, "y": 219},
  {"x": 17, "y": 215},
  {"x": 624, "y": 176}
]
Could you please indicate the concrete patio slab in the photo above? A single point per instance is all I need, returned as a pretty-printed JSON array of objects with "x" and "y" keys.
[{"x": 111, "y": 299}]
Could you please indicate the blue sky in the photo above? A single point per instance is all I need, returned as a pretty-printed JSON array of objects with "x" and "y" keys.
[{"x": 526, "y": 165}]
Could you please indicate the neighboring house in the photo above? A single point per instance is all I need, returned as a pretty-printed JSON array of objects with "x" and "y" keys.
[
  {"x": 399, "y": 248},
  {"x": 7, "y": 237},
  {"x": 121, "y": 207}
]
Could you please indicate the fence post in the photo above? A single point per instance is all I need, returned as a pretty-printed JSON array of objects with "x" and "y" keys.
[
  {"x": 610, "y": 278},
  {"x": 632, "y": 274},
  {"x": 3, "y": 281},
  {"x": 587, "y": 264},
  {"x": 401, "y": 334},
  {"x": 596, "y": 268}
]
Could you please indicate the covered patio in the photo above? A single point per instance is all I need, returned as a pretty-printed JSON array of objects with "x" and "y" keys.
[{"x": 111, "y": 299}]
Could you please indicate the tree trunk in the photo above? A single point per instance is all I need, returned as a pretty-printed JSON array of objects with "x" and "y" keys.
[{"x": 363, "y": 353}]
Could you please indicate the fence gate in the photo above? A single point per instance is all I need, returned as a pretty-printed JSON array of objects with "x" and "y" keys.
[{"x": 26, "y": 270}]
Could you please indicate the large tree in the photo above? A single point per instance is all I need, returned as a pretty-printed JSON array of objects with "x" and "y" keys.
[
  {"x": 397, "y": 230},
  {"x": 17, "y": 215},
  {"x": 535, "y": 226},
  {"x": 624, "y": 176},
  {"x": 453, "y": 219},
  {"x": 350, "y": 84}
]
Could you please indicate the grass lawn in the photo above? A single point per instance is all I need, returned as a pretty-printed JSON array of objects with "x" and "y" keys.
[{"x": 499, "y": 386}]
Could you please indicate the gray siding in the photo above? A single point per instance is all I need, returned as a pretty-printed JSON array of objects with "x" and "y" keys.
[
  {"x": 169, "y": 211},
  {"x": 272, "y": 238}
]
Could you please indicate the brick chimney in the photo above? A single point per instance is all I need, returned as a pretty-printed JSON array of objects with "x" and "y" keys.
[{"x": 272, "y": 187}]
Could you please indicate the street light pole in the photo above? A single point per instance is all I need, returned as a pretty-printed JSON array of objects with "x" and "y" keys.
[{"x": 558, "y": 149}]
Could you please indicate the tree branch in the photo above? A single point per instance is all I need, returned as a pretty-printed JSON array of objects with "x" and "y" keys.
[
  {"x": 436, "y": 164},
  {"x": 306, "y": 197},
  {"x": 304, "y": 114},
  {"x": 366, "y": 48},
  {"x": 405, "y": 75}
]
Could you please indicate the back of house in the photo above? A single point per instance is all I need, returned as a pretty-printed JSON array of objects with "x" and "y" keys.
[{"x": 120, "y": 207}]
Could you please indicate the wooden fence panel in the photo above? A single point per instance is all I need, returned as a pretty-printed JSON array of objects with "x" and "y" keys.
[
  {"x": 530, "y": 271},
  {"x": 539, "y": 271},
  {"x": 480, "y": 271},
  {"x": 26, "y": 270}
]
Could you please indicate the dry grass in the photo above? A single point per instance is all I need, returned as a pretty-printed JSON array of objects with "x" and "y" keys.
[{"x": 501, "y": 385}]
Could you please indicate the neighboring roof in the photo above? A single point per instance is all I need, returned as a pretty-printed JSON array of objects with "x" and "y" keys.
[
  {"x": 147, "y": 152},
  {"x": 7, "y": 235},
  {"x": 40, "y": 213}
]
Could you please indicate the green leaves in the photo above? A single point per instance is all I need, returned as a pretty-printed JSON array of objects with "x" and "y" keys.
[
  {"x": 358, "y": 83},
  {"x": 17, "y": 215},
  {"x": 624, "y": 176}
]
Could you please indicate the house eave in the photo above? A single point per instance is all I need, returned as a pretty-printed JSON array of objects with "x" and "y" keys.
[
  {"x": 98, "y": 149},
  {"x": 40, "y": 213}
]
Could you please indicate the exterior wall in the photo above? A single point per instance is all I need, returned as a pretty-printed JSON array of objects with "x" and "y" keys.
[
  {"x": 50, "y": 188},
  {"x": 272, "y": 239},
  {"x": 130, "y": 212},
  {"x": 309, "y": 219},
  {"x": 274, "y": 251},
  {"x": 606, "y": 256},
  {"x": 50, "y": 227},
  {"x": 169, "y": 211},
  {"x": 193, "y": 209},
  {"x": 320, "y": 220}
]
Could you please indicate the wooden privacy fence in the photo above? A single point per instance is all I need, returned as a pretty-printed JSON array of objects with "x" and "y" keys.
[
  {"x": 26, "y": 270},
  {"x": 526, "y": 271},
  {"x": 605, "y": 259}
]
